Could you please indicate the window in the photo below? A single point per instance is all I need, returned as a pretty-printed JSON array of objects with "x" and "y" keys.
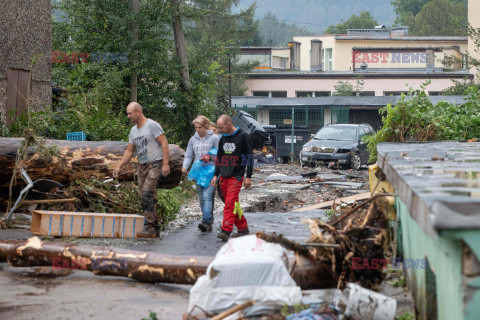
[
  {"x": 367, "y": 93},
  {"x": 279, "y": 62},
  {"x": 304, "y": 94},
  {"x": 260, "y": 93},
  {"x": 279, "y": 94},
  {"x": 322, "y": 93},
  {"x": 394, "y": 93},
  {"x": 337, "y": 133},
  {"x": 327, "y": 60}
]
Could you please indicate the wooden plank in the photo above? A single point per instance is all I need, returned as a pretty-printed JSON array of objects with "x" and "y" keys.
[
  {"x": 23, "y": 91},
  {"x": 86, "y": 224},
  {"x": 361, "y": 196}
]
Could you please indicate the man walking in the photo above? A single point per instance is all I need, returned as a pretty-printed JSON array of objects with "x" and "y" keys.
[
  {"x": 147, "y": 138},
  {"x": 234, "y": 157}
]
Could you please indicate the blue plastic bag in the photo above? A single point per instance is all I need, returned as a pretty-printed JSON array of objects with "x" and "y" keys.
[{"x": 202, "y": 172}]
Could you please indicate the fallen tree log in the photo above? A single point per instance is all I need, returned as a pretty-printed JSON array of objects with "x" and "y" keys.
[
  {"x": 79, "y": 160},
  {"x": 142, "y": 266}
]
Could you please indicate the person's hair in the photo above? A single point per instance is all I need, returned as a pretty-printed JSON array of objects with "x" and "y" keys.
[
  {"x": 202, "y": 120},
  {"x": 213, "y": 124},
  {"x": 226, "y": 119}
]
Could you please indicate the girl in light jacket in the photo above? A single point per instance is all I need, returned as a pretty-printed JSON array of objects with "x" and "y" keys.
[{"x": 198, "y": 148}]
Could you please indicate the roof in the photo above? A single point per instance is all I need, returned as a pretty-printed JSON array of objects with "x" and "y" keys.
[
  {"x": 438, "y": 182},
  {"x": 405, "y": 38},
  {"x": 392, "y": 74},
  {"x": 365, "y": 101}
]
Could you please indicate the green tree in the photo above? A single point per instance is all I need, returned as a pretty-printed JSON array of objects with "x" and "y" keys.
[
  {"x": 459, "y": 87},
  {"x": 275, "y": 33},
  {"x": 441, "y": 18},
  {"x": 214, "y": 36},
  {"x": 345, "y": 88},
  {"x": 406, "y": 10},
  {"x": 363, "y": 21},
  {"x": 104, "y": 26}
]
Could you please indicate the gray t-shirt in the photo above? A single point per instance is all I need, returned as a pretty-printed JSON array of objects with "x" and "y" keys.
[{"x": 145, "y": 141}]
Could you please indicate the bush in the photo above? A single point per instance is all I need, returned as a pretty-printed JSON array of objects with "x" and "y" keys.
[
  {"x": 416, "y": 118},
  {"x": 169, "y": 201},
  {"x": 98, "y": 123}
]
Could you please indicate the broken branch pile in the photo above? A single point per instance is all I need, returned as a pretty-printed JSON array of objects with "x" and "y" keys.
[
  {"x": 79, "y": 160},
  {"x": 355, "y": 253}
]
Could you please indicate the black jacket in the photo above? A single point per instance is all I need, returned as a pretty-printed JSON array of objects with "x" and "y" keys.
[{"x": 234, "y": 156}]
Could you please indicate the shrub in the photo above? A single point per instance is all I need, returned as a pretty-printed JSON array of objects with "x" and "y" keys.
[{"x": 416, "y": 118}]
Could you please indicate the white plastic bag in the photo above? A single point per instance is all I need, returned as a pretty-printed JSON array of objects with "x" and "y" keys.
[{"x": 246, "y": 268}]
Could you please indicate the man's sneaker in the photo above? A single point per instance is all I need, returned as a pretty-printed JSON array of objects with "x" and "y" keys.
[
  {"x": 242, "y": 233},
  {"x": 224, "y": 235},
  {"x": 203, "y": 227},
  {"x": 148, "y": 232}
]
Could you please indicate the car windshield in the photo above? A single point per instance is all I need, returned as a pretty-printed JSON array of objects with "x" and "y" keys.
[{"x": 336, "y": 133}]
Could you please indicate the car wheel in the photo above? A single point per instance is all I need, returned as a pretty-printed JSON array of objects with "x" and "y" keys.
[{"x": 355, "y": 161}]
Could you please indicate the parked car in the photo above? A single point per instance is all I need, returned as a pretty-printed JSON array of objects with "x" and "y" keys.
[{"x": 341, "y": 143}]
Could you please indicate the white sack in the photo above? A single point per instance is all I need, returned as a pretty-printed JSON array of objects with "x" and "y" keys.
[{"x": 246, "y": 268}]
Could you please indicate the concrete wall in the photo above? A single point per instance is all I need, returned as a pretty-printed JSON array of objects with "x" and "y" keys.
[
  {"x": 377, "y": 85},
  {"x": 26, "y": 35},
  {"x": 328, "y": 42},
  {"x": 445, "y": 259},
  {"x": 342, "y": 50}
]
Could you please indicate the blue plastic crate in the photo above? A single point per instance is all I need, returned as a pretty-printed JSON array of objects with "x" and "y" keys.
[{"x": 76, "y": 136}]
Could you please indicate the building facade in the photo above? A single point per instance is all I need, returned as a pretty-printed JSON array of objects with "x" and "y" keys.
[
  {"x": 266, "y": 58},
  {"x": 25, "y": 57},
  {"x": 375, "y": 62}
]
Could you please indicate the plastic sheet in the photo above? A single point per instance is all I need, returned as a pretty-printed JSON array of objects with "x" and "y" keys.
[{"x": 246, "y": 268}]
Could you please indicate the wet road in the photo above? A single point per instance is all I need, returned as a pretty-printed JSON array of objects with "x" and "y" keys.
[{"x": 32, "y": 294}]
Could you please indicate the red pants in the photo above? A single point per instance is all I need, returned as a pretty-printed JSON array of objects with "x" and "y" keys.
[{"x": 230, "y": 189}]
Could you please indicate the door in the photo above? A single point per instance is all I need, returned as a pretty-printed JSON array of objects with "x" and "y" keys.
[
  {"x": 362, "y": 146},
  {"x": 18, "y": 90},
  {"x": 339, "y": 114}
]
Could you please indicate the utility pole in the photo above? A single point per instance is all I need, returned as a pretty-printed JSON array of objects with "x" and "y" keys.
[
  {"x": 179, "y": 38},
  {"x": 134, "y": 8}
]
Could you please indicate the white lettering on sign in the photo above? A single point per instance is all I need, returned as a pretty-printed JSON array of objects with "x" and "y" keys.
[
  {"x": 288, "y": 139},
  {"x": 390, "y": 57}
]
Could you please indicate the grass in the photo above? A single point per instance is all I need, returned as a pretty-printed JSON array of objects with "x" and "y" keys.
[
  {"x": 151, "y": 316},
  {"x": 402, "y": 282},
  {"x": 406, "y": 316}
]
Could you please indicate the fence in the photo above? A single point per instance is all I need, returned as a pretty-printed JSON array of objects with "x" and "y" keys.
[{"x": 313, "y": 117}]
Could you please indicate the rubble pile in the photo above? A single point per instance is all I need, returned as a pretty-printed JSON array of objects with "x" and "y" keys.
[{"x": 342, "y": 252}]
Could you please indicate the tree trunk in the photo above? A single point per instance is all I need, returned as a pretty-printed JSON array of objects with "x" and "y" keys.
[
  {"x": 142, "y": 266},
  {"x": 180, "y": 46},
  {"x": 80, "y": 160},
  {"x": 134, "y": 8}
]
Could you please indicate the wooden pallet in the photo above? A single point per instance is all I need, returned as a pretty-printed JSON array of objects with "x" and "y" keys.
[{"x": 86, "y": 224}]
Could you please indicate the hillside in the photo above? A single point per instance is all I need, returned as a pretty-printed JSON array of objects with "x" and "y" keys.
[{"x": 317, "y": 15}]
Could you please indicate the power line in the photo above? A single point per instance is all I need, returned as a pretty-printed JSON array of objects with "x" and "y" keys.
[{"x": 236, "y": 15}]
